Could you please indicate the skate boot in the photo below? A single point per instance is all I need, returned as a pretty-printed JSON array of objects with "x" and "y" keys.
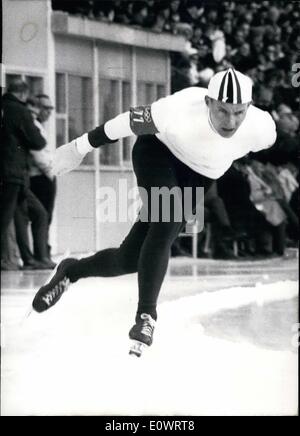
[
  {"x": 49, "y": 294},
  {"x": 141, "y": 334}
]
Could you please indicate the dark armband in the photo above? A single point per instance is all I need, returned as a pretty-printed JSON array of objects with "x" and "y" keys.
[
  {"x": 98, "y": 137},
  {"x": 141, "y": 121}
]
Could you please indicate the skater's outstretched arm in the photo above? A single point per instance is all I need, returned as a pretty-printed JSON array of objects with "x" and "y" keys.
[
  {"x": 140, "y": 120},
  {"x": 137, "y": 121}
]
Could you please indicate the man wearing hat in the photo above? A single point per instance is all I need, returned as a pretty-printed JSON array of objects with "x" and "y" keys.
[{"x": 188, "y": 139}]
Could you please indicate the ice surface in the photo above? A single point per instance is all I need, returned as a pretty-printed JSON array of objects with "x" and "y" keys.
[{"x": 73, "y": 359}]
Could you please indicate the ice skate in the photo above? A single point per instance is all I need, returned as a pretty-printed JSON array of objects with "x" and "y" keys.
[
  {"x": 50, "y": 293},
  {"x": 141, "y": 334}
]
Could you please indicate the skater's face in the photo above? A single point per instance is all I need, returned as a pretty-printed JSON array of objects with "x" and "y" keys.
[{"x": 226, "y": 118}]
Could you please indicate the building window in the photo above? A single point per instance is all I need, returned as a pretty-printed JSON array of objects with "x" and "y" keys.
[
  {"x": 147, "y": 92},
  {"x": 61, "y": 109},
  {"x": 60, "y": 94},
  {"x": 74, "y": 109},
  {"x": 161, "y": 91},
  {"x": 109, "y": 107},
  {"x": 114, "y": 98},
  {"x": 80, "y": 106},
  {"x": 60, "y": 131},
  {"x": 127, "y": 142}
]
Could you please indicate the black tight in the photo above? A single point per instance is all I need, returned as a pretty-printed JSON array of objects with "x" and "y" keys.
[{"x": 146, "y": 249}]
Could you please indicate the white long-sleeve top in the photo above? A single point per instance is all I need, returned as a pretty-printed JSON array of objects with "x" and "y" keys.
[
  {"x": 184, "y": 126},
  {"x": 182, "y": 123}
]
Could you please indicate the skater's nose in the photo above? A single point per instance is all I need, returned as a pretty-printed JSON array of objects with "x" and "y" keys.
[{"x": 231, "y": 121}]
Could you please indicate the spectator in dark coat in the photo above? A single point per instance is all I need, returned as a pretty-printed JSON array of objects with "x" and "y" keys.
[
  {"x": 36, "y": 207},
  {"x": 287, "y": 145},
  {"x": 19, "y": 136}
]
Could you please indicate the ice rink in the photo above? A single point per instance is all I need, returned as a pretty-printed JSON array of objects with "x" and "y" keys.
[{"x": 225, "y": 344}]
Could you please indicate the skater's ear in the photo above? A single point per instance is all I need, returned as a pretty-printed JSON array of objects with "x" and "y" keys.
[{"x": 208, "y": 101}]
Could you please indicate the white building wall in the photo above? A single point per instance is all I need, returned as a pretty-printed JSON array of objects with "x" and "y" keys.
[
  {"x": 75, "y": 212},
  {"x": 73, "y": 55},
  {"x": 25, "y": 25}
]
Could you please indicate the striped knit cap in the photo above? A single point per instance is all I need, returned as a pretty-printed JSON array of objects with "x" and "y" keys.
[{"x": 230, "y": 86}]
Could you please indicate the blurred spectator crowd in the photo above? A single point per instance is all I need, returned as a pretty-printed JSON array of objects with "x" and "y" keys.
[{"x": 260, "y": 39}]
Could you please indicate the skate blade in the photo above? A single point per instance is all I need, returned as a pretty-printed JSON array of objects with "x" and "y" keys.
[
  {"x": 26, "y": 315},
  {"x": 137, "y": 348}
]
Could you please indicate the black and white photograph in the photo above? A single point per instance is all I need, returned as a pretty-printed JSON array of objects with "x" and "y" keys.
[{"x": 150, "y": 210}]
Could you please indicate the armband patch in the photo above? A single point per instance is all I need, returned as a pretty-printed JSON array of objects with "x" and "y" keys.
[{"x": 141, "y": 121}]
